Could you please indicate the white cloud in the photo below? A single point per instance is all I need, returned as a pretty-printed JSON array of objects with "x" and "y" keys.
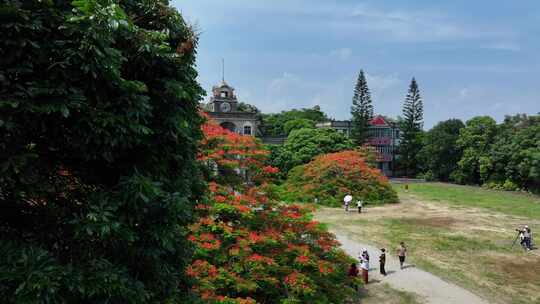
[
  {"x": 410, "y": 26},
  {"x": 342, "y": 54},
  {"x": 505, "y": 46},
  {"x": 464, "y": 93},
  {"x": 382, "y": 82}
]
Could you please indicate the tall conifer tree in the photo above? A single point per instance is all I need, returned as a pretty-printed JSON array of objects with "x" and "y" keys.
[
  {"x": 361, "y": 110},
  {"x": 411, "y": 130}
]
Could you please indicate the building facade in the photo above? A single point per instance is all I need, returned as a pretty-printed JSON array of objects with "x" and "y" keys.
[
  {"x": 383, "y": 135},
  {"x": 223, "y": 108}
]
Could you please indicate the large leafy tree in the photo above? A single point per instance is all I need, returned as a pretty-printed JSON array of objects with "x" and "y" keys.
[
  {"x": 515, "y": 154},
  {"x": 274, "y": 124},
  {"x": 329, "y": 177},
  {"x": 304, "y": 144},
  {"x": 249, "y": 247},
  {"x": 440, "y": 153},
  {"x": 476, "y": 139},
  {"x": 99, "y": 129},
  {"x": 411, "y": 131},
  {"x": 298, "y": 124},
  {"x": 361, "y": 110}
]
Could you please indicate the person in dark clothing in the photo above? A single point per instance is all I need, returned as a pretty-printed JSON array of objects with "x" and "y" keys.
[
  {"x": 382, "y": 261},
  {"x": 353, "y": 274}
]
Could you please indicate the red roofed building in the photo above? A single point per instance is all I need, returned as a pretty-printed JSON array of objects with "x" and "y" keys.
[{"x": 383, "y": 136}]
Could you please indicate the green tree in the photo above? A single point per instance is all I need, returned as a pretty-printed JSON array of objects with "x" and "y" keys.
[
  {"x": 304, "y": 144},
  {"x": 411, "y": 131},
  {"x": 300, "y": 123},
  {"x": 99, "y": 130},
  {"x": 440, "y": 153},
  {"x": 515, "y": 154},
  {"x": 475, "y": 140},
  {"x": 274, "y": 124},
  {"x": 361, "y": 110}
]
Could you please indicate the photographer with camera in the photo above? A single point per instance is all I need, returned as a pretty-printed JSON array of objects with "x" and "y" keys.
[{"x": 525, "y": 235}]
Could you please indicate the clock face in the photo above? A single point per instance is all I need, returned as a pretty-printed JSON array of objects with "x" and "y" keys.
[{"x": 225, "y": 107}]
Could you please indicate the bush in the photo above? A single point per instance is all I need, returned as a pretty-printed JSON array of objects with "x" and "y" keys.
[
  {"x": 508, "y": 185},
  {"x": 427, "y": 176},
  {"x": 328, "y": 178},
  {"x": 99, "y": 130}
]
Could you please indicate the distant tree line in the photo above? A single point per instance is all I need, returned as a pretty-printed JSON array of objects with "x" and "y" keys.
[
  {"x": 501, "y": 156},
  {"x": 479, "y": 151}
]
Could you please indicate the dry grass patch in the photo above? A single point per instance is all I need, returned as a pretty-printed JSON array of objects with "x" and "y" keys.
[{"x": 468, "y": 245}]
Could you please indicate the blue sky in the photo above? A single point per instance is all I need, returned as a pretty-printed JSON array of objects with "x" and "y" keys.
[{"x": 469, "y": 57}]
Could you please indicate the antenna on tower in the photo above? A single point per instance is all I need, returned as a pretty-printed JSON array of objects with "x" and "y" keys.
[{"x": 223, "y": 69}]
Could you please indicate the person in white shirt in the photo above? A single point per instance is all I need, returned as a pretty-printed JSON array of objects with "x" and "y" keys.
[
  {"x": 346, "y": 201},
  {"x": 364, "y": 265}
]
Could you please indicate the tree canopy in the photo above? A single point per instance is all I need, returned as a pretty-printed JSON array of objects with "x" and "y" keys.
[
  {"x": 329, "y": 177},
  {"x": 475, "y": 140},
  {"x": 440, "y": 152},
  {"x": 304, "y": 144},
  {"x": 274, "y": 124},
  {"x": 99, "y": 131},
  {"x": 249, "y": 247}
]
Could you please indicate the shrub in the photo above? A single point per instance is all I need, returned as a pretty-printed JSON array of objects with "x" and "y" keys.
[
  {"x": 249, "y": 248},
  {"x": 329, "y": 177}
]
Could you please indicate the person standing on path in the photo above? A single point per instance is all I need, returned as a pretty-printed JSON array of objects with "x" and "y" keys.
[
  {"x": 382, "y": 261},
  {"x": 346, "y": 201},
  {"x": 359, "y": 204},
  {"x": 364, "y": 260},
  {"x": 402, "y": 253},
  {"x": 353, "y": 274},
  {"x": 527, "y": 236}
]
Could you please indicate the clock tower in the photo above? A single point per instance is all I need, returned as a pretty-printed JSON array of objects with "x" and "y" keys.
[
  {"x": 223, "y": 99},
  {"x": 223, "y": 108}
]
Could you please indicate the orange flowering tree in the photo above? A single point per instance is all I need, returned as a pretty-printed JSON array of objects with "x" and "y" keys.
[
  {"x": 329, "y": 177},
  {"x": 250, "y": 248}
]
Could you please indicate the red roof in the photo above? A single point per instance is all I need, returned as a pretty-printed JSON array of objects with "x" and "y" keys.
[{"x": 378, "y": 121}]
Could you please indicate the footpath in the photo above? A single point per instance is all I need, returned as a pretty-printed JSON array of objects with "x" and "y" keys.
[{"x": 431, "y": 289}]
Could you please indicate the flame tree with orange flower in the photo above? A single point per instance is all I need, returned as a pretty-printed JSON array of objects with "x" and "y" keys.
[
  {"x": 251, "y": 249},
  {"x": 331, "y": 176}
]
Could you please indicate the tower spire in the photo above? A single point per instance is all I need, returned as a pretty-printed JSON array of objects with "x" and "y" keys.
[{"x": 223, "y": 69}]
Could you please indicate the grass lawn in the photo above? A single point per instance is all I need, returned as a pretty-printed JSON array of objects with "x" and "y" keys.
[
  {"x": 462, "y": 234},
  {"x": 384, "y": 293},
  {"x": 512, "y": 203}
]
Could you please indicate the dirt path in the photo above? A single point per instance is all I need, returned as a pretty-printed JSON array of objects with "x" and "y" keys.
[{"x": 429, "y": 288}]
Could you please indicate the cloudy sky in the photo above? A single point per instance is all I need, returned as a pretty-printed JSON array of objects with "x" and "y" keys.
[{"x": 469, "y": 57}]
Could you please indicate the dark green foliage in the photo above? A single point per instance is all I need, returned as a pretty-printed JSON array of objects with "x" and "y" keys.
[
  {"x": 475, "y": 140},
  {"x": 304, "y": 144},
  {"x": 440, "y": 153},
  {"x": 514, "y": 157},
  {"x": 246, "y": 107},
  {"x": 274, "y": 124},
  {"x": 411, "y": 131},
  {"x": 99, "y": 128},
  {"x": 361, "y": 110},
  {"x": 297, "y": 124}
]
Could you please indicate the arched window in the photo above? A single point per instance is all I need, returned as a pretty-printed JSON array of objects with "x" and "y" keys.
[{"x": 247, "y": 130}]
